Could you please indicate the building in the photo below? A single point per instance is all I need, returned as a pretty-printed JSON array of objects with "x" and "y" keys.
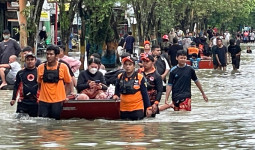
[{"x": 9, "y": 18}]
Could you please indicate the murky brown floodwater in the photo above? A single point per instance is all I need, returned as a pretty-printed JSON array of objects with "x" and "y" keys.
[{"x": 227, "y": 121}]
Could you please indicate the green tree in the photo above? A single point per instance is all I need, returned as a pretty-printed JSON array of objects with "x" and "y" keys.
[
  {"x": 66, "y": 20},
  {"x": 33, "y": 13},
  {"x": 101, "y": 23}
]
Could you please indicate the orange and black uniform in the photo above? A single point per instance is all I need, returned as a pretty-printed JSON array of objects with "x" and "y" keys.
[
  {"x": 154, "y": 86},
  {"x": 133, "y": 95},
  {"x": 192, "y": 50},
  {"x": 52, "y": 92},
  {"x": 26, "y": 87}
]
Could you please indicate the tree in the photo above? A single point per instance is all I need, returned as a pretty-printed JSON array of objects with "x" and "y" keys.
[
  {"x": 66, "y": 20},
  {"x": 33, "y": 13}
]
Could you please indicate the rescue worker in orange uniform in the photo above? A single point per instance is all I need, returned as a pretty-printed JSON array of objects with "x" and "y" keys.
[
  {"x": 154, "y": 82},
  {"x": 131, "y": 88},
  {"x": 192, "y": 50}
]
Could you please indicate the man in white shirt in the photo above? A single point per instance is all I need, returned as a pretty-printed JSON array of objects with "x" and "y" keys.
[{"x": 8, "y": 71}]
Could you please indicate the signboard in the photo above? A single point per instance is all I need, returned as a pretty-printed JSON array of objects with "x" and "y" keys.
[
  {"x": 67, "y": 6},
  {"x": 45, "y": 16},
  {"x": 12, "y": 6}
]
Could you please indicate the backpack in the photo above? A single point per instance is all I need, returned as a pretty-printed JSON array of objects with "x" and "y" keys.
[{"x": 112, "y": 76}]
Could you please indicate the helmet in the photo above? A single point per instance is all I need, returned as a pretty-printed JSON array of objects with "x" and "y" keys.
[{"x": 165, "y": 37}]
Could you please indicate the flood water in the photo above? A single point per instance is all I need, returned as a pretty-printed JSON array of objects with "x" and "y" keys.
[{"x": 227, "y": 121}]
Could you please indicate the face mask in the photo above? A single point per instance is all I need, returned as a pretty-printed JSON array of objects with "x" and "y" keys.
[
  {"x": 6, "y": 37},
  {"x": 93, "y": 70}
]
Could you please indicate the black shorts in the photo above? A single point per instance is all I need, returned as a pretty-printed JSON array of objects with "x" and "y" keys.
[
  {"x": 50, "y": 110},
  {"x": 29, "y": 107},
  {"x": 236, "y": 62},
  {"x": 132, "y": 115},
  {"x": 223, "y": 64},
  {"x": 215, "y": 63}
]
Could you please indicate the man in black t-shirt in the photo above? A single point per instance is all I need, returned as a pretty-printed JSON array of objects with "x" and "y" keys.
[
  {"x": 235, "y": 52},
  {"x": 154, "y": 82},
  {"x": 129, "y": 43},
  {"x": 173, "y": 50},
  {"x": 180, "y": 84},
  {"x": 221, "y": 55},
  {"x": 26, "y": 88},
  {"x": 210, "y": 33}
]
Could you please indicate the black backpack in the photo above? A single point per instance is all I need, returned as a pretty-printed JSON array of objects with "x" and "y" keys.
[{"x": 112, "y": 76}]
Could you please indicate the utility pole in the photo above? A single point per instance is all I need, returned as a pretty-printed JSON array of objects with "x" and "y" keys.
[
  {"x": 22, "y": 24},
  {"x": 56, "y": 25}
]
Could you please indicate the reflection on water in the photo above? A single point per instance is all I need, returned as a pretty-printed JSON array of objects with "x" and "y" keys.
[{"x": 227, "y": 121}]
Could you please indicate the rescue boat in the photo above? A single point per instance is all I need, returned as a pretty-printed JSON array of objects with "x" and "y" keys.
[
  {"x": 203, "y": 64},
  {"x": 91, "y": 109}
]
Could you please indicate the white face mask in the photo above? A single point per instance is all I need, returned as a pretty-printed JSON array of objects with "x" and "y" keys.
[
  {"x": 93, "y": 70},
  {"x": 6, "y": 37}
]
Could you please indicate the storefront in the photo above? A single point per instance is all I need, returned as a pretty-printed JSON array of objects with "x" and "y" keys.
[{"x": 9, "y": 18}]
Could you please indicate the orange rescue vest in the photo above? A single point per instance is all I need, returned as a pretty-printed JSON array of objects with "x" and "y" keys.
[{"x": 192, "y": 50}]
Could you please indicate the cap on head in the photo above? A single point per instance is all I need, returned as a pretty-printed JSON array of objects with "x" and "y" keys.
[
  {"x": 128, "y": 58},
  {"x": 147, "y": 57},
  {"x": 147, "y": 42},
  {"x": 165, "y": 37},
  {"x": 30, "y": 55},
  {"x": 6, "y": 31}
]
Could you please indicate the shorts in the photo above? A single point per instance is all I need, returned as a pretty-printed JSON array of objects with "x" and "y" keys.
[
  {"x": 50, "y": 110},
  {"x": 9, "y": 79},
  {"x": 132, "y": 115},
  {"x": 223, "y": 64},
  {"x": 184, "y": 105},
  {"x": 236, "y": 61},
  {"x": 29, "y": 107}
]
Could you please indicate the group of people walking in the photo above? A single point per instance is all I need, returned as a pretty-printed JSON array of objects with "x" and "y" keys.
[{"x": 41, "y": 88}]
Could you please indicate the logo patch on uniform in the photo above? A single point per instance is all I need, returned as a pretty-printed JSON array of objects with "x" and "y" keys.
[
  {"x": 30, "y": 77},
  {"x": 152, "y": 78},
  {"x": 176, "y": 75},
  {"x": 136, "y": 82}
]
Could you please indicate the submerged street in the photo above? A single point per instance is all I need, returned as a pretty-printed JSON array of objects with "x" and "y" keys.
[{"x": 226, "y": 122}]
